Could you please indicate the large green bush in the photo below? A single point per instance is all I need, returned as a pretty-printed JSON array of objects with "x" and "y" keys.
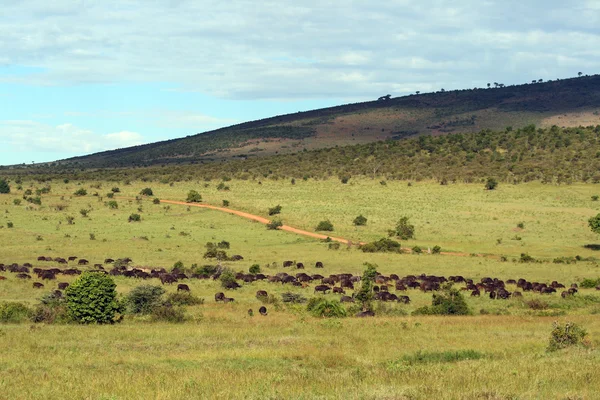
[
  {"x": 382, "y": 245},
  {"x": 361, "y": 220},
  {"x": 92, "y": 298},
  {"x": 403, "y": 230},
  {"x": 449, "y": 302},
  {"x": 144, "y": 299},
  {"x": 147, "y": 192},
  {"x": 324, "y": 226},
  {"x": 567, "y": 335},
  {"x": 193, "y": 197},
  {"x": 4, "y": 187}
]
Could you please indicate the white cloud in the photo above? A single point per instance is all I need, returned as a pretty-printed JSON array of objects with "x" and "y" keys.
[
  {"x": 61, "y": 139},
  {"x": 245, "y": 49}
]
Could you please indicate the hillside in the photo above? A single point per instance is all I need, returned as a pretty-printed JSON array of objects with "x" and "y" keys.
[{"x": 565, "y": 103}]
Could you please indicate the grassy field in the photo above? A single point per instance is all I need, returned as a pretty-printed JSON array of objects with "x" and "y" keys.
[{"x": 221, "y": 352}]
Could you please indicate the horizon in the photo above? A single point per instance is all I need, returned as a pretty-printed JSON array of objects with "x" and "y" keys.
[{"x": 80, "y": 79}]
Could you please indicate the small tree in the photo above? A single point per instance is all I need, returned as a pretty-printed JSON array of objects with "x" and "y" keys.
[
  {"x": 135, "y": 218},
  {"x": 404, "y": 230},
  {"x": 227, "y": 279},
  {"x": 144, "y": 299},
  {"x": 563, "y": 336},
  {"x": 274, "y": 224},
  {"x": 4, "y": 187},
  {"x": 193, "y": 197},
  {"x": 92, "y": 298},
  {"x": 365, "y": 293},
  {"x": 147, "y": 192},
  {"x": 80, "y": 192},
  {"x": 225, "y": 203},
  {"x": 275, "y": 210},
  {"x": 491, "y": 184},
  {"x": 360, "y": 220},
  {"x": 324, "y": 226},
  {"x": 449, "y": 302},
  {"x": 594, "y": 224}
]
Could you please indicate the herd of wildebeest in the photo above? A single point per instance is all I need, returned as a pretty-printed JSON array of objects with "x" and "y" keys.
[{"x": 339, "y": 284}]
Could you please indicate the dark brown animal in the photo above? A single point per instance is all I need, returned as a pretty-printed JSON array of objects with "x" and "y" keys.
[
  {"x": 319, "y": 264},
  {"x": 37, "y": 285},
  {"x": 338, "y": 290},
  {"x": 63, "y": 285},
  {"x": 263, "y": 310},
  {"x": 83, "y": 262},
  {"x": 220, "y": 296},
  {"x": 228, "y": 300},
  {"x": 183, "y": 287},
  {"x": 322, "y": 288},
  {"x": 261, "y": 294},
  {"x": 365, "y": 314},
  {"x": 287, "y": 264},
  {"x": 300, "y": 265}
]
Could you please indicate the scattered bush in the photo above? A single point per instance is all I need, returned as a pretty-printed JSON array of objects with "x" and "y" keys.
[
  {"x": 590, "y": 283},
  {"x": 294, "y": 298},
  {"x": 13, "y": 312},
  {"x": 223, "y": 244},
  {"x": 113, "y": 205},
  {"x": 178, "y": 266},
  {"x": 147, "y": 192},
  {"x": 225, "y": 203},
  {"x": 227, "y": 279},
  {"x": 115, "y": 190},
  {"x": 84, "y": 213},
  {"x": 567, "y": 335},
  {"x": 205, "y": 270},
  {"x": 17, "y": 202},
  {"x": 80, "y": 192},
  {"x": 254, "y": 269},
  {"x": 275, "y": 210},
  {"x": 526, "y": 258},
  {"x": 134, "y": 218},
  {"x": 92, "y": 236},
  {"x": 92, "y": 298},
  {"x": 193, "y": 197},
  {"x": 521, "y": 225},
  {"x": 382, "y": 245},
  {"x": 417, "y": 250},
  {"x": 326, "y": 226},
  {"x": 144, "y": 299},
  {"x": 9, "y": 224},
  {"x": 222, "y": 187},
  {"x": 404, "y": 230},
  {"x": 51, "y": 309},
  {"x": 110, "y": 195},
  {"x": 436, "y": 250},
  {"x": 360, "y": 221},
  {"x": 4, "y": 187},
  {"x": 537, "y": 304},
  {"x": 183, "y": 299},
  {"x": 320, "y": 307},
  {"x": 491, "y": 184},
  {"x": 345, "y": 179},
  {"x": 449, "y": 302},
  {"x": 168, "y": 313},
  {"x": 334, "y": 246},
  {"x": 156, "y": 201},
  {"x": 274, "y": 224},
  {"x": 595, "y": 198}
]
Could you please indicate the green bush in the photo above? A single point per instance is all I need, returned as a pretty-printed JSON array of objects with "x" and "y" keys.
[
  {"x": 383, "y": 245},
  {"x": 320, "y": 307},
  {"x": 365, "y": 293},
  {"x": 594, "y": 223},
  {"x": 13, "y": 312},
  {"x": 115, "y": 190},
  {"x": 84, "y": 212},
  {"x": 225, "y": 203},
  {"x": 4, "y": 187},
  {"x": 334, "y": 246},
  {"x": 294, "y": 298},
  {"x": 567, "y": 335},
  {"x": 274, "y": 224},
  {"x": 113, "y": 205},
  {"x": 156, "y": 201},
  {"x": 80, "y": 192},
  {"x": 135, "y": 218},
  {"x": 403, "y": 230},
  {"x": 183, "y": 299},
  {"x": 590, "y": 283},
  {"x": 92, "y": 298},
  {"x": 17, "y": 202},
  {"x": 275, "y": 210},
  {"x": 324, "y": 226},
  {"x": 595, "y": 197},
  {"x": 193, "y": 197},
  {"x": 144, "y": 299},
  {"x": 147, "y": 192},
  {"x": 110, "y": 195},
  {"x": 223, "y": 244},
  {"x": 205, "y": 269},
  {"x": 360, "y": 221},
  {"x": 178, "y": 266},
  {"x": 9, "y": 224},
  {"x": 254, "y": 269},
  {"x": 168, "y": 313},
  {"x": 491, "y": 184},
  {"x": 449, "y": 302},
  {"x": 526, "y": 258},
  {"x": 417, "y": 250},
  {"x": 227, "y": 278},
  {"x": 436, "y": 250}
]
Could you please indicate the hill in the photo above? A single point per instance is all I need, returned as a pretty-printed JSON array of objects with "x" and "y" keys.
[{"x": 565, "y": 103}]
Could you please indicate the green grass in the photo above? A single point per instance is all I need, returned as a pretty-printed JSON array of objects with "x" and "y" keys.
[{"x": 221, "y": 352}]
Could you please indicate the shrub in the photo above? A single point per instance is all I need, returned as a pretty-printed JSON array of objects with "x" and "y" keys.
[
  {"x": 365, "y": 293},
  {"x": 225, "y": 203},
  {"x": 521, "y": 225},
  {"x": 193, "y": 197},
  {"x": 223, "y": 244},
  {"x": 382, "y": 245},
  {"x": 81, "y": 192},
  {"x": 110, "y": 195},
  {"x": 334, "y": 246},
  {"x": 595, "y": 198},
  {"x": 17, "y": 202},
  {"x": 84, "y": 213},
  {"x": 147, "y": 192},
  {"x": 183, "y": 299},
  {"x": 254, "y": 269},
  {"x": 51, "y": 309},
  {"x": 417, "y": 250},
  {"x": 274, "y": 224},
  {"x": 491, "y": 184},
  {"x": 345, "y": 179},
  {"x": 294, "y": 298},
  {"x": 144, "y": 299},
  {"x": 92, "y": 298},
  {"x": 205, "y": 270},
  {"x": 168, "y": 313},
  {"x": 115, "y": 190},
  {"x": 178, "y": 266},
  {"x": 563, "y": 336},
  {"x": 526, "y": 258},
  {"x": 275, "y": 210},
  {"x": 320, "y": 307},
  {"x": 436, "y": 250},
  {"x": 404, "y": 230},
  {"x": 92, "y": 236},
  {"x": 9, "y": 224},
  {"x": 227, "y": 278},
  {"x": 537, "y": 304},
  {"x": 4, "y": 187},
  {"x": 113, "y": 205},
  {"x": 360, "y": 221},
  {"x": 594, "y": 223},
  {"x": 223, "y": 187},
  {"x": 590, "y": 283},
  {"x": 324, "y": 226},
  {"x": 70, "y": 219},
  {"x": 156, "y": 201},
  {"x": 449, "y": 302},
  {"x": 13, "y": 312},
  {"x": 134, "y": 218}
]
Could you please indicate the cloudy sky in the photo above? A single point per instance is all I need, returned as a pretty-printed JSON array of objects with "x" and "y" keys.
[{"x": 80, "y": 76}]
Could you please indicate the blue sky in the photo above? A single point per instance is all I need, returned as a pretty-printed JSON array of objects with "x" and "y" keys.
[{"x": 80, "y": 76}]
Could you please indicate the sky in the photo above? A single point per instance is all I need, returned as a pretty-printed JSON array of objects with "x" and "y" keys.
[{"x": 82, "y": 76}]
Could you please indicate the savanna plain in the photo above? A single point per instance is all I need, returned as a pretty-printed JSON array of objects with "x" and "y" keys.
[{"x": 528, "y": 231}]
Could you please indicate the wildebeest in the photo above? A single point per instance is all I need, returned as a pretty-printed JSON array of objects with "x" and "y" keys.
[
  {"x": 338, "y": 290},
  {"x": 72, "y": 258},
  {"x": 48, "y": 275},
  {"x": 83, "y": 262},
  {"x": 228, "y": 300},
  {"x": 261, "y": 294},
  {"x": 287, "y": 264},
  {"x": 475, "y": 293},
  {"x": 63, "y": 285},
  {"x": 23, "y": 276},
  {"x": 346, "y": 299},
  {"x": 167, "y": 278},
  {"x": 183, "y": 287},
  {"x": 37, "y": 285},
  {"x": 263, "y": 310},
  {"x": 109, "y": 261},
  {"x": 319, "y": 264},
  {"x": 367, "y": 313},
  {"x": 219, "y": 296},
  {"x": 300, "y": 265}
]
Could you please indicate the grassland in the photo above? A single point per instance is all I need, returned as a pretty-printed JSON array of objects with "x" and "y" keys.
[{"x": 221, "y": 352}]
